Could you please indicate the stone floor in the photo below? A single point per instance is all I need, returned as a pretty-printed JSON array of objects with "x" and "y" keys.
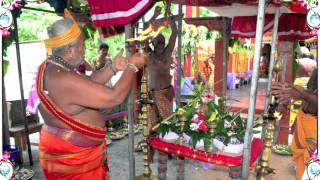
[{"x": 119, "y": 163}]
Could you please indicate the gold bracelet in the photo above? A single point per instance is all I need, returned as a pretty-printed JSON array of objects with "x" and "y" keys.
[{"x": 132, "y": 67}]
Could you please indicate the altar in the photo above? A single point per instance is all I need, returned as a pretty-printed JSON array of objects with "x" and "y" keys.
[{"x": 217, "y": 158}]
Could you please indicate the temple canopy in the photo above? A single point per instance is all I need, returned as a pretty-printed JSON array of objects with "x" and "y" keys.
[{"x": 111, "y": 15}]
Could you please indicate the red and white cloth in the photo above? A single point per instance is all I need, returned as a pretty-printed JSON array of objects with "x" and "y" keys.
[
  {"x": 245, "y": 26},
  {"x": 116, "y": 12},
  {"x": 292, "y": 26}
]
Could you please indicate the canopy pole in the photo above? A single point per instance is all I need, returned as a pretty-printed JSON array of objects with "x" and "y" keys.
[
  {"x": 2, "y": 119},
  {"x": 26, "y": 130},
  {"x": 129, "y": 34},
  {"x": 318, "y": 54},
  {"x": 271, "y": 64},
  {"x": 225, "y": 56},
  {"x": 253, "y": 91},
  {"x": 178, "y": 90}
]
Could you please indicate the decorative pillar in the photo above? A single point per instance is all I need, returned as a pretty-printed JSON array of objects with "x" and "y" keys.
[
  {"x": 221, "y": 57},
  {"x": 217, "y": 66},
  {"x": 285, "y": 54}
]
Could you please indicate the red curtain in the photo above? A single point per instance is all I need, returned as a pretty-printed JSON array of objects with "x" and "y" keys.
[
  {"x": 116, "y": 12},
  {"x": 292, "y": 26}
]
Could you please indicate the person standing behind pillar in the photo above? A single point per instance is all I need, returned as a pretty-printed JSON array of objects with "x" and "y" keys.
[
  {"x": 159, "y": 78},
  {"x": 305, "y": 132}
]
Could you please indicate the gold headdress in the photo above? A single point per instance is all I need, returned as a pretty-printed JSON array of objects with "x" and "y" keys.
[{"x": 63, "y": 39}]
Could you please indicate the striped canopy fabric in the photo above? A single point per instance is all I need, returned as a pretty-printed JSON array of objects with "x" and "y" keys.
[
  {"x": 116, "y": 12},
  {"x": 292, "y": 26}
]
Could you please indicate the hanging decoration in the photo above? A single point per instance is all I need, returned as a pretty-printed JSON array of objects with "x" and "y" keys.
[
  {"x": 6, "y": 18},
  {"x": 313, "y": 15}
]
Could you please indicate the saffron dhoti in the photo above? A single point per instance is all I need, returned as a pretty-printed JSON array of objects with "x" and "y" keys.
[
  {"x": 306, "y": 127},
  {"x": 60, "y": 159}
]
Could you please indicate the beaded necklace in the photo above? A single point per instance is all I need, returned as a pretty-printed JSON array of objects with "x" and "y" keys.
[{"x": 58, "y": 61}]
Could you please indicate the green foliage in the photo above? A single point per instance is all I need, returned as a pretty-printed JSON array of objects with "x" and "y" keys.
[
  {"x": 93, "y": 41},
  {"x": 162, "y": 5},
  {"x": 295, "y": 65},
  {"x": 6, "y": 42},
  {"x": 172, "y": 126},
  {"x": 204, "y": 12},
  {"x": 5, "y": 66},
  {"x": 226, "y": 125},
  {"x": 32, "y": 24},
  {"x": 116, "y": 43},
  {"x": 237, "y": 46}
]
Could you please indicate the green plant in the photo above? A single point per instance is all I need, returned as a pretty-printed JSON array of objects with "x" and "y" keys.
[
  {"x": 232, "y": 126},
  {"x": 32, "y": 25},
  {"x": 237, "y": 46},
  {"x": 203, "y": 112},
  {"x": 199, "y": 113}
]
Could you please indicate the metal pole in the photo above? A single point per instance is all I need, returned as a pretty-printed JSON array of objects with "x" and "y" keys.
[
  {"x": 128, "y": 33},
  {"x": 226, "y": 37},
  {"x": 5, "y": 123},
  {"x": 253, "y": 91},
  {"x": 318, "y": 54},
  {"x": 178, "y": 92},
  {"x": 271, "y": 64},
  {"x": 2, "y": 119},
  {"x": 284, "y": 65},
  {"x": 26, "y": 130}
]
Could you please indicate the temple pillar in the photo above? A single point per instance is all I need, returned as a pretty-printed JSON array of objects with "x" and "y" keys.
[{"x": 286, "y": 55}]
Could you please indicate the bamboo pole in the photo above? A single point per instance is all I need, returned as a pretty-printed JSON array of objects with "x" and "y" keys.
[
  {"x": 271, "y": 64},
  {"x": 253, "y": 91},
  {"x": 128, "y": 34},
  {"x": 26, "y": 130},
  {"x": 178, "y": 92}
]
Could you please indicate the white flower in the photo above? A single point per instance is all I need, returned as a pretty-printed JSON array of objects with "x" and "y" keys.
[
  {"x": 227, "y": 124},
  {"x": 231, "y": 133},
  {"x": 195, "y": 116},
  {"x": 194, "y": 126}
]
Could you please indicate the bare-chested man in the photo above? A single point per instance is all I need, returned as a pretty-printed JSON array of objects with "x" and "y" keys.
[
  {"x": 159, "y": 78},
  {"x": 72, "y": 140}
]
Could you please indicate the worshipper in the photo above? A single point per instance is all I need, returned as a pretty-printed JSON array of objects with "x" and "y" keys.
[
  {"x": 158, "y": 68},
  {"x": 305, "y": 132},
  {"x": 72, "y": 139},
  {"x": 103, "y": 58},
  {"x": 159, "y": 78}
]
